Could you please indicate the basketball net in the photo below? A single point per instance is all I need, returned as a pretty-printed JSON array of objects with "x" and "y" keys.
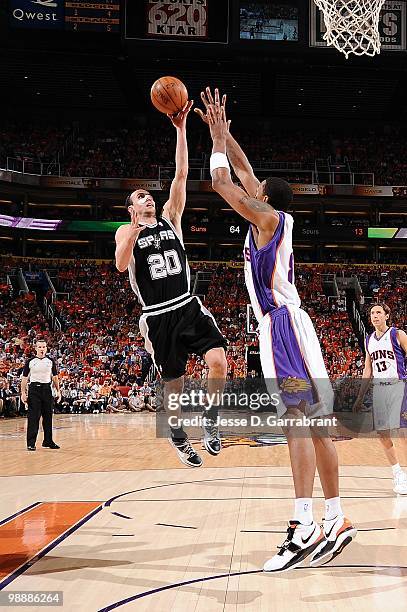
[{"x": 352, "y": 26}]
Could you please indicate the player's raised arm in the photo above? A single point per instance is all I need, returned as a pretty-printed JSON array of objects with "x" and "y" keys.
[
  {"x": 258, "y": 212},
  {"x": 235, "y": 153},
  {"x": 125, "y": 237},
  {"x": 175, "y": 205}
]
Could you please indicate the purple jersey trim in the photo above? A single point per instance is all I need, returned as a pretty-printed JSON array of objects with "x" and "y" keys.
[
  {"x": 263, "y": 263},
  {"x": 291, "y": 269},
  {"x": 382, "y": 336},
  {"x": 398, "y": 353}
]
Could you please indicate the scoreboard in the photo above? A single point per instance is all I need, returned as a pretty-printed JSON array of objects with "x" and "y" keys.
[
  {"x": 96, "y": 15},
  {"x": 68, "y": 15}
]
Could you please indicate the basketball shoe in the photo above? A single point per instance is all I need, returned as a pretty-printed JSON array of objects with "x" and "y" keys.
[
  {"x": 400, "y": 483},
  {"x": 211, "y": 437},
  {"x": 186, "y": 452},
  {"x": 338, "y": 533},
  {"x": 300, "y": 542}
]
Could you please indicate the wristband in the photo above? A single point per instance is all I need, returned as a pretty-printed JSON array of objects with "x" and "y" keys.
[{"x": 218, "y": 160}]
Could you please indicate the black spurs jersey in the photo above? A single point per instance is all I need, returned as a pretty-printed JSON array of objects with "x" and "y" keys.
[{"x": 158, "y": 271}]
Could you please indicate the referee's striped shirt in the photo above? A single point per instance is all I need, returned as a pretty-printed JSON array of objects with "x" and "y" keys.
[{"x": 40, "y": 369}]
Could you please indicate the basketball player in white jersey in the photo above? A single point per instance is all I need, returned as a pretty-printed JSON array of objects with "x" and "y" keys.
[
  {"x": 386, "y": 350},
  {"x": 289, "y": 349}
]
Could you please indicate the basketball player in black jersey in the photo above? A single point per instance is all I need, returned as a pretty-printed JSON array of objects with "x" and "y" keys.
[{"x": 174, "y": 323}]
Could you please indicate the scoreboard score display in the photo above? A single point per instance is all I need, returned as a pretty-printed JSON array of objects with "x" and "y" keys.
[
  {"x": 392, "y": 26},
  {"x": 97, "y": 15},
  {"x": 177, "y": 20}
]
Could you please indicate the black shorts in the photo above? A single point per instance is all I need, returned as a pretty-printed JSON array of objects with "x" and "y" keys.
[{"x": 171, "y": 336}]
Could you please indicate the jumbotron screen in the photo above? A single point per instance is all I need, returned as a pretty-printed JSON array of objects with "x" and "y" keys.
[
  {"x": 178, "y": 20},
  {"x": 273, "y": 20}
]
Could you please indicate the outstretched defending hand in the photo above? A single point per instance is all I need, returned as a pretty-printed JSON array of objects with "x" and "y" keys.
[
  {"x": 179, "y": 120},
  {"x": 207, "y": 100},
  {"x": 218, "y": 124}
]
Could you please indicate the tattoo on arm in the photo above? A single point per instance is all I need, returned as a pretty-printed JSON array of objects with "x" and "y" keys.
[{"x": 255, "y": 205}]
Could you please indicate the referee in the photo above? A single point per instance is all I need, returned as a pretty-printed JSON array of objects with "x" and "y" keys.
[{"x": 41, "y": 372}]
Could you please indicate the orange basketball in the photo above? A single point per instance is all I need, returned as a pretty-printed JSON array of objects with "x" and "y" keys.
[{"x": 169, "y": 95}]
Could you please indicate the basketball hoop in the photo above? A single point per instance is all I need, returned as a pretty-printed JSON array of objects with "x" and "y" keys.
[{"x": 352, "y": 26}]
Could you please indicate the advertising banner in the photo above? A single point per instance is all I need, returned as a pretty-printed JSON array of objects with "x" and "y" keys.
[
  {"x": 166, "y": 18},
  {"x": 37, "y": 14}
]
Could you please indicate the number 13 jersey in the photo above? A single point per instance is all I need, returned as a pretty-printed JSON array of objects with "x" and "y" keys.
[
  {"x": 158, "y": 271},
  {"x": 387, "y": 356}
]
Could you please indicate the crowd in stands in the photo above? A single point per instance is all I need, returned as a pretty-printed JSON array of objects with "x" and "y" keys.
[
  {"x": 97, "y": 341},
  {"x": 139, "y": 147},
  {"x": 385, "y": 154},
  {"x": 339, "y": 344},
  {"x": 102, "y": 363},
  {"x": 127, "y": 151},
  {"x": 388, "y": 284},
  {"x": 98, "y": 346},
  {"x": 30, "y": 143}
]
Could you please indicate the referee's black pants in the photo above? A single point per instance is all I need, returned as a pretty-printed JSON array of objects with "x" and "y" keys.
[{"x": 40, "y": 403}]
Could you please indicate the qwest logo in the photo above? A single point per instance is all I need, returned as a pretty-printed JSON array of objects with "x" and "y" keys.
[{"x": 36, "y": 13}]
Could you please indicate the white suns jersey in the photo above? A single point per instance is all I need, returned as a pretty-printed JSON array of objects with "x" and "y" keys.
[
  {"x": 269, "y": 271},
  {"x": 386, "y": 354}
]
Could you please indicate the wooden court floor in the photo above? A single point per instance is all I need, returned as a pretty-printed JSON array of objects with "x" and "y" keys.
[{"x": 115, "y": 522}]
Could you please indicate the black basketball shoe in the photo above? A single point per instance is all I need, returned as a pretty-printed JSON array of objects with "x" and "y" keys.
[
  {"x": 211, "y": 437},
  {"x": 186, "y": 452}
]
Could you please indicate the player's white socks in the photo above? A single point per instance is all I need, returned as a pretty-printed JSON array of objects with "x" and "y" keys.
[
  {"x": 333, "y": 508},
  {"x": 396, "y": 468},
  {"x": 303, "y": 510}
]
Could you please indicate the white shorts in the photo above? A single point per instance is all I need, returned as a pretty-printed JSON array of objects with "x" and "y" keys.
[
  {"x": 387, "y": 405},
  {"x": 292, "y": 361}
]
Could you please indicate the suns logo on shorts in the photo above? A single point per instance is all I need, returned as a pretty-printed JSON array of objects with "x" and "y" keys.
[{"x": 291, "y": 384}]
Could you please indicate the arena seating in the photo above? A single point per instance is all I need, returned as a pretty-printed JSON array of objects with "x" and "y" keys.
[
  {"x": 109, "y": 348},
  {"x": 126, "y": 149},
  {"x": 31, "y": 142}
]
